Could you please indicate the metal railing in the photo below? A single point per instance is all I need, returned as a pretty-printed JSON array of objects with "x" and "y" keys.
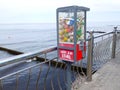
[
  {"x": 23, "y": 57},
  {"x": 46, "y": 75},
  {"x": 5, "y": 80},
  {"x": 101, "y": 49},
  {"x": 51, "y": 73}
]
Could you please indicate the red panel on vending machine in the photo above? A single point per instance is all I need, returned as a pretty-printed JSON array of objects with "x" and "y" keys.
[{"x": 68, "y": 55}]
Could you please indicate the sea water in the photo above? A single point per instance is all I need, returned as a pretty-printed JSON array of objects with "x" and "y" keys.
[{"x": 27, "y": 37}]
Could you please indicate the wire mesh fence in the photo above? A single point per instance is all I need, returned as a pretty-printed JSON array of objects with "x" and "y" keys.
[
  {"x": 102, "y": 50},
  {"x": 118, "y": 43}
]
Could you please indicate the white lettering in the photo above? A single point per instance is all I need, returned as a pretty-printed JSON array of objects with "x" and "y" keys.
[
  {"x": 66, "y": 56},
  {"x": 63, "y": 51},
  {"x": 70, "y": 53}
]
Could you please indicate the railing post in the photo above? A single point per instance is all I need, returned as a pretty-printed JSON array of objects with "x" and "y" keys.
[
  {"x": 68, "y": 76},
  {"x": 90, "y": 57},
  {"x": 1, "y": 85},
  {"x": 114, "y": 42}
]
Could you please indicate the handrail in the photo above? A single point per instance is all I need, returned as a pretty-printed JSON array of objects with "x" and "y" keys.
[
  {"x": 26, "y": 69},
  {"x": 103, "y": 35},
  {"x": 22, "y": 57},
  {"x": 118, "y": 31}
]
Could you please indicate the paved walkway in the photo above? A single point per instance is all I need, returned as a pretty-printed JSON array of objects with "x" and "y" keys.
[{"x": 106, "y": 78}]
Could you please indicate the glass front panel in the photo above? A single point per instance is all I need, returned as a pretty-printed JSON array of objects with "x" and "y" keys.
[
  {"x": 66, "y": 27},
  {"x": 80, "y": 26}
]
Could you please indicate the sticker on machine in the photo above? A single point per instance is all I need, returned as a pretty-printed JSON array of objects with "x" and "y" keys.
[{"x": 66, "y": 55}]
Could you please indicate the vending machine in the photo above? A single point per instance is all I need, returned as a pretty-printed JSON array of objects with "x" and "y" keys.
[{"x": 71, "y": 33}]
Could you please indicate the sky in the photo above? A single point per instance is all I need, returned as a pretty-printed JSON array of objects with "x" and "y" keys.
[{"x": 44, "y": 11}]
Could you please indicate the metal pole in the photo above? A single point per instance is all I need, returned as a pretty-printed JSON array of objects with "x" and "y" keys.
[
  {"x": 1, "y": 85},
  {"x": 90, "y": 57},
  {"x": 68, "y": 76},
  {"x": 114, "y": 42}
]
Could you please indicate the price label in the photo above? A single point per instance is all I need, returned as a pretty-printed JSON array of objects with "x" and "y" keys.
[{"x": 66, "y": 55}]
